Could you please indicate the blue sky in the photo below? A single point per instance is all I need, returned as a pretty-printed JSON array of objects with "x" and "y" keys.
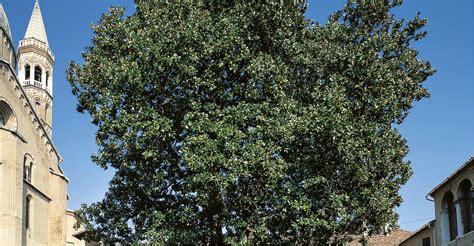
[{"x": 439, "y": 130}]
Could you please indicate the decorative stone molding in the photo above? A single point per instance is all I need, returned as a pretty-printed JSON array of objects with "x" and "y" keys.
[
  {"x": 42, "y": 132},
  {"x": 33, "y": 45},
  {"x": 33, "y": 58}
]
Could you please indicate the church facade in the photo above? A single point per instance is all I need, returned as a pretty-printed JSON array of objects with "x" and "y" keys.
[{"x": 33, "y": 187}]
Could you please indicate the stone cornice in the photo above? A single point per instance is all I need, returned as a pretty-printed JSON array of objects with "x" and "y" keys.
[
  {"x": 40, "y": 89},
  {"x": 43, "y": 133},
  {"x": 26, "y": 47},
  {"x": 61, "y": 175},
  {"x": 15, "y": 133},
  {"x": 37, "y": 190}
]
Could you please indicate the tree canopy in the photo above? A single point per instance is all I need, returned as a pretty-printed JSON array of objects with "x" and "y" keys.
[{"x": 234, "y": 122}]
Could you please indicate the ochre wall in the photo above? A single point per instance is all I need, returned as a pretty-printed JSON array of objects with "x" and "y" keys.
[
  {"x": 452, "y": 186},
  {"x": 417, "y": 239}
]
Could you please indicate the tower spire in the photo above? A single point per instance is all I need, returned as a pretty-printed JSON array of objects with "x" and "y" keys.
[
  {"x": 35, "y": 69},
  {"x": 36, "y": 27}
]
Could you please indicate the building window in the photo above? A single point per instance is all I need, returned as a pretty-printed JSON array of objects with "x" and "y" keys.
[
  {"x": 466, "y": 206},
  {"x": 28, "y": 212},
  {"x": 27, "y": 72},
  {"x": 426, "y": 241},
  {"x": 3, "y": 120},
  {"x": 38, "y": 72},
  {"x": 7, "y": 117},
  {"x": 472, "y": 209},
  {"x": 46, "y": 109},
  {"x": 448, "y": 219},
  {"x": 37, "y": 102},
  {"x": 47, "y": 79},
  {"x": 28, "y": 170}
]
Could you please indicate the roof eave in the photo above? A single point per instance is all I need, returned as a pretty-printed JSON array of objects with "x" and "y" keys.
[{"x": 451, "y": 177}]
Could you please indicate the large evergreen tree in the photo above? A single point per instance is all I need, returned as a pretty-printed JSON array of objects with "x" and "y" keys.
[{"x": 245, "y": 122}]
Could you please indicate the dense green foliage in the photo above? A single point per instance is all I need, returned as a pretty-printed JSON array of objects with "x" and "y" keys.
[{"x": 233, "y": 122}]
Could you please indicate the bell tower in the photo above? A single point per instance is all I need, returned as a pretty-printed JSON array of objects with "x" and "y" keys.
[{"x": 35, "y": 68}]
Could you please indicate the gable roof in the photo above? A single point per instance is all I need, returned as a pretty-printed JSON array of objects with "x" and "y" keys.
[
  {"x": 421, "y": 229},
  {"x": 395, "y": 237},
  {"x": 451, "y": 177}
]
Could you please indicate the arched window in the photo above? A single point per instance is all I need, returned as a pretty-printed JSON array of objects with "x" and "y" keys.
[
  {"x": 37, "y": 102},
  {"x": 449, "y": 228},
  {"x": 27, "y": 172},
  {"x": 46, "y": 108},
  {"x": 466, "y": 205},
  {"x": 3, "y": 120},
  {"x": 27, "y": 72},
  {"x": 38, "y": 72},
  {"x": 7, "y": 117},
  {"x": 28, "y": 212}
]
